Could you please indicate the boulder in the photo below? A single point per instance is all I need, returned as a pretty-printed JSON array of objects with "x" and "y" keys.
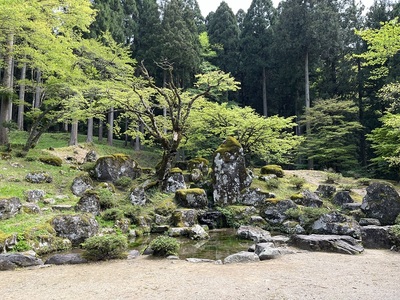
[
  {"x": 77, "y": 228},
  {"x": 34, "y": 196},
  {"x": 113, "y": 167},
  {"x": 66, "y": 259},
  {"x": 198, "y": 233},
  {"x": 369, "y": 221},
  {"x": 10, "y": 261},
  {"x": 336, "y": 223},
  {"x": 376, "y": 237},
  {"x": 9, "y": 207},
  {"x": 253, "y": 233},
  {"x": 274, "y": 211},
  {"x": 266, "y": 251},
  {"x": 325, "y": 190},
  {"x": 31, "y": 208},
  {"x": 81, "y": 184},
  {"x": 341, "y": 198},
  {"x": 213, "y": 219},
  {"x": 196, "y": 175},
  {"x": 381, "y": 202},
  {"x": 138, "y": 196},
  {"x": 292, "y": 227},
  {"x": 242, "y": 257},
  {"x": 309, "y": 199},
  {"x": 229, "y": 173},
  {"x": 178, "y": 231},
  {"x": 89, "y": 202},
  {"x": 254, "y": 197},
  {"x": 329, "y": 243},
  {"x": 38, "y": 177},
  {"x": 7, "y": 242},
  {"x": 175, "y": 181},
  {"x": 184, "y": 217},
  {"x": 351, "y": 206},
  {"x": 199, "y": 163},
  {"x": 192, "y": 198},
  {"x": 91, "y": 156}
]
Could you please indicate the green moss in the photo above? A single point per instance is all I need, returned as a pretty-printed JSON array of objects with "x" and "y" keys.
[
  {"x": 184, "y": 192},
  {"x": 235, "y": 215},
  {"x": 272, "y": 169},
  {"x": 51, "y": 160},
  {"x": 175, "y": 171},
  {"x": 298, "y": 196},
  {"x": 120, "y": 156},
  {"x": 230, "y": 145},
  {"x": 108, "y": 246},
  {"x": 196, "y": 162},
  {"x": 4, "y": 236},
  {"x": 165, "y": 207}
]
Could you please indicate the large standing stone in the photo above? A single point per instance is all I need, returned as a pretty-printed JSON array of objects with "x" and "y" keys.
[
  {"x": 230, "y": 175},
  {"x": 9, "y": 207},
  {"x": 192, "y": 198},
  {"x": 381, "y": 202},
  {"x": 77, "y": 228},
  {"x": 81, "y": 184},
  {"x": 113, "y": 167}
]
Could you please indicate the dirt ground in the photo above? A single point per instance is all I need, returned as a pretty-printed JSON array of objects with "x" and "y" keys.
[{"x": 371, "y": 275}]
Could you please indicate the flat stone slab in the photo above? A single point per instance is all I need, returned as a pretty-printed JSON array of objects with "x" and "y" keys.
[{"x": 328, "y": 243}]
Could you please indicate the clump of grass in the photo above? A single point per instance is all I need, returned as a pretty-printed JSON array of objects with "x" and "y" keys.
[
  {"x": 332, "y": 177},
  {"x": 297, "y": 181},
  {"x": 108, "y": 246}
]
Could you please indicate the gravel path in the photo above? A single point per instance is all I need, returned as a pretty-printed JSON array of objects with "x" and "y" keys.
[{"x": 371, "y": 275}]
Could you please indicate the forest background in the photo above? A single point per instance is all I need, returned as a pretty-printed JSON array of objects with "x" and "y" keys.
[{"x": 307, "y": 84}]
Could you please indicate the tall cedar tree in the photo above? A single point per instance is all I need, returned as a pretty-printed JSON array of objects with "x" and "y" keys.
[{"x": 256, "y": 60}]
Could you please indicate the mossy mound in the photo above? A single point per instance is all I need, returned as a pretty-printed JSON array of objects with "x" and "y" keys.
[
  {"x": 51, "y": 160},
  {"x": 272, "y": 169},
  {"x": 230, "y": 145}
]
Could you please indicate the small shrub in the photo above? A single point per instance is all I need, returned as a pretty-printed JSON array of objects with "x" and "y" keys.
[
  {"x": 88, "y": 167},
  {"x": 298, "y": 182},
  {"x": 306, "y": 215},
  {"x": 123, "y": 181},
  {"x": 164, "y": 246},
  {"x": 346, "y": 187},
  {"x": 30, "y": 158},
  {"x": 273, "y": 183},
  {"x": 272, "y": 169},
  {"x": 332, "y": 177},
  {"x": 108, "y": 246},
  {"x": 51, "y": 160},
  {"x": 364, "y": 181},
  {"x": 112, "y": 214},
  {"x": 106, "y": 198},
  {"x": 165, "y": 207}
]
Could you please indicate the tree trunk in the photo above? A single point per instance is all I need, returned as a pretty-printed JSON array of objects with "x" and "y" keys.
[
  {"x": 73, "y": 141},
  {"x": 21, "y": 106},
  {"x": 308, "y": 104},
  {"x": 6, "y": 97},
  {"x": 363, "y": 143},
  {"x": 110, "y": 131},
  {"x": 38, "y": 90},
  {"x": 89, "y": 137},
  {"x": 100, "y": 138},
  {"x": 264, "y": 91}
]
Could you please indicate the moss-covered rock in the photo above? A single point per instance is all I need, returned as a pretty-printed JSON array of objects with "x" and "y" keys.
[
  {"x": 113, "y": 167},
  {"x": 51, "y": 160},
  {"x": 230, "y": 175},
  {"x": 165, "y": 207},
  {"x": 272, "y": 169},
  {"x": 192, "y": 198}
]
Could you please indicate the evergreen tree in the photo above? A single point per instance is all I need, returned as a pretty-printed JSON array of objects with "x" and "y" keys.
[
  {"x": 223, "y": 30},
  {"x": 256, "y": 59}
]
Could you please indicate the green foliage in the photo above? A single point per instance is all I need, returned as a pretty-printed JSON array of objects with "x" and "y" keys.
[
  {"x": 235, "y": 215},
  {"x": 332, "y": 177},
  {"x": 165, "y": 207},
  {"x": 164, "y": 246},
  {"x": 364, "y": 181},
  {"x": 113, "y": 214},
  {"x": 272, "y": 183},
  {"x": 108, "y": 246},
  {"x": 106, "y": 198},
  {"x": 297, "y": 181},
  {"x": 332, "y": 142},
  {"x": 51, "y": 160},
  {"x": 270, "y": 139},
  {"x": 306, "y": 215},
  {"x": 123, "y": 181}
]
